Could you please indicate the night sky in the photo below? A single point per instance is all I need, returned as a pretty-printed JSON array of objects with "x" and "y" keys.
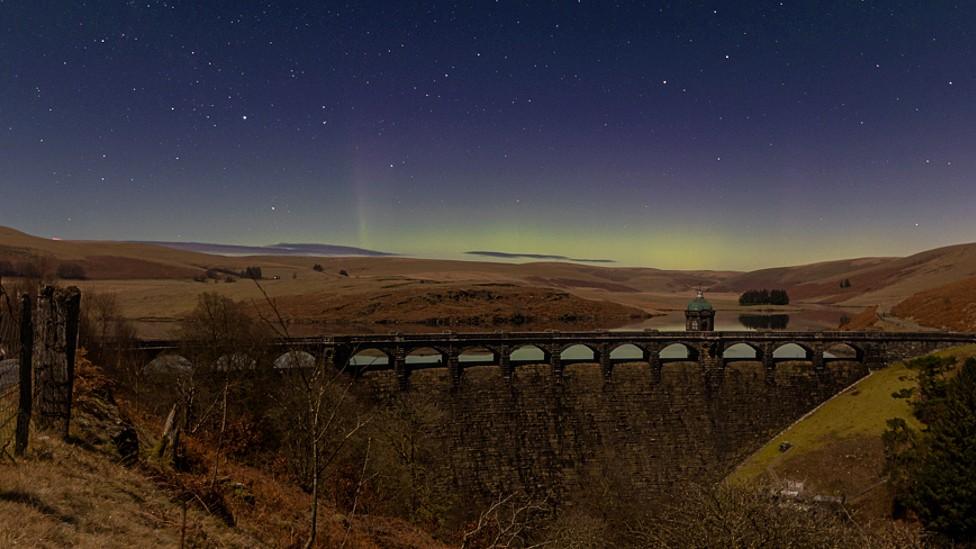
[{"x": 666, "y": 134}]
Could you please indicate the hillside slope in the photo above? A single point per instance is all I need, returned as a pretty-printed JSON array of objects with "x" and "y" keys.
[
  {"x": 77, "y": 494},
  {"x": 836, "y": 449},
  {"x": 948, "y": 307},
  {"x": 131, "y": 260},
  {"x": 873, "y": 281}
]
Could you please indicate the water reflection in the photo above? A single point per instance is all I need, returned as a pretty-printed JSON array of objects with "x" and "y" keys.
[
  {"x": 765, "y": 322},
  {"x": 811, "y": 319}
]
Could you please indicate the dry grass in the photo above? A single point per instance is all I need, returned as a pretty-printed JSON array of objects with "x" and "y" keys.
[
  {"x": 865, "y": 320},
  {"x": 66, "y": 496},
  {"x": 949, "y": 307}
]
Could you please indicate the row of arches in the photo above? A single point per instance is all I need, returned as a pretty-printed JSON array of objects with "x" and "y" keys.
[
  {"x": 622, "y": 353},
  {"x": 177, "y": 364},
  {"x": 472, "y": 356}
]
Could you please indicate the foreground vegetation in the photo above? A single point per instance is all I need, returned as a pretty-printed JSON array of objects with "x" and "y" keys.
[
  {"x": 933, "y": 469},
  {"x": 93, "y": 492},
  {"x": 896, "y": 445},
  {"x": 298, "y": 457}
]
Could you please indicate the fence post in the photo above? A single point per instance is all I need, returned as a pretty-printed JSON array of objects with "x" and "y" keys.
[
  {"x": 55, "y": 341},
  {"x": 26, "y": 359}
]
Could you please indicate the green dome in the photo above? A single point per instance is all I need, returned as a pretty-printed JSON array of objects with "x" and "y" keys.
[{"x": 699, "y": 304}]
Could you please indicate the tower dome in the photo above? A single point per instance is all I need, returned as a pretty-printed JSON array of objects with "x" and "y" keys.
[
  {"x": 699, "y": 316},
  {"x": 699, "y": 303}
]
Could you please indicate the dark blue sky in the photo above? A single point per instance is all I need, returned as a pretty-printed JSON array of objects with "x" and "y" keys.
[{"x": 684, "y": 134}]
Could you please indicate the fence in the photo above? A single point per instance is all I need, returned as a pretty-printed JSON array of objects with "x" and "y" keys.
[
  {"x": 10, "y": 344},
  {"x": 38, "y": 339}
]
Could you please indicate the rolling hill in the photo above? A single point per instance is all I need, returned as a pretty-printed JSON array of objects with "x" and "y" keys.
[
  {"x": 882, "y": 281},
  {"x": 156, "y": 280}
]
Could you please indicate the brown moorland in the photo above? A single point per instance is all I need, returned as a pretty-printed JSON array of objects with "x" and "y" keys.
[
  {"x": 873, "y": 281},
  {"x": 949, "y": 307},
  {"x": 155, "y": 284}
]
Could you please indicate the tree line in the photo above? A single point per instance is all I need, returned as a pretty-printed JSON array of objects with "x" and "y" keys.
[
  {"x": 36, "y": 270},
  {"x": 764, "y": 297}
]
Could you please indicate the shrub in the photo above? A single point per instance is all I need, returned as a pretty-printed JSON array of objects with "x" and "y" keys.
[
  {"x": 28, "y": 269},
  {"x": 253, "y": 272},
  {"x": 71, "y": 271},
  {"x": 318, "y": 268}
]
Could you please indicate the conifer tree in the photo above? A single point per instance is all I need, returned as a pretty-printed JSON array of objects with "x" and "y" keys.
[{"x": 934, "y": 471}]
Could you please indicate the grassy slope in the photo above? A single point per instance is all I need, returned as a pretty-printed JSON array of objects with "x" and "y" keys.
[
  {"x": 837, "y": 448},
  {"x": 67, "y": 496}
]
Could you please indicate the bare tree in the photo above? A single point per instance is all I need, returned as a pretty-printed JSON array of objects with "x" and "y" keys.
[
  {"x": 226, "y": 347},
  {"x": 509, "y": 522},
  {"x": 316, "y": 399},
  {"x": 411, "y": 457}
]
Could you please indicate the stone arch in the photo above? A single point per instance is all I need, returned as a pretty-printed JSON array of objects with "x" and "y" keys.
[
  {"x": 425, "y": 356},
  {"x": 235, "y": 361},
  {"x": 529, "y": 353},
  {"x": 627, "y": 352},
  {"x": 843, "y": 350},
  {"x": 481, "y": 354},
  {"x": 168, "y": 364},
  {"x": 792, "y": 351},
  {"x": 295, "y": 359},
  {"x": 370, "y": 356},
  {"x": 742, "y": 350},
  {"x": 579, "y": 352},
  {"x": 673, "y": 352}
]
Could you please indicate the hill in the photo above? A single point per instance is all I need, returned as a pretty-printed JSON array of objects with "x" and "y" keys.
[
  {"x": 880, "y": 281},
  {"x": 102, "y": 259},
  {"x": 457, "y": 305},
  {"x": 155, "y": 285},
  {"x": 948, "y": 307},
  {"x": 274, "y": 249},
  {"x": 156, "y": 282},
  {"x": 836, "y": 450}
]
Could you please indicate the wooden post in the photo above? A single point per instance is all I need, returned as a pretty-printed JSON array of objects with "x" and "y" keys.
[
  {"x": 26, "y": 354},
  {"x": 55, "y": 341}
]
